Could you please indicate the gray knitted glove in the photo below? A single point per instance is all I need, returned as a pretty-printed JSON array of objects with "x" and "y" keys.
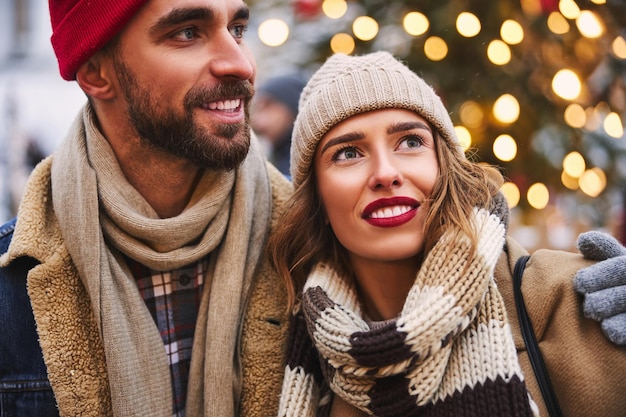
[{"x": 604, "y": 284}]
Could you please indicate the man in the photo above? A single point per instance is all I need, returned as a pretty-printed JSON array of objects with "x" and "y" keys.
[{"x": 133, "y": 282}]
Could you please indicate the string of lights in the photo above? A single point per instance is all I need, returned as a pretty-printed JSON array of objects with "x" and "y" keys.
[{"x": 535, "y": 86}]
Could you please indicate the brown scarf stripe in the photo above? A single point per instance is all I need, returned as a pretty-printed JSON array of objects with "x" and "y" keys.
[
  {"x": 386, "y": 402},
  {"x": 492, "y": 398},
  {"x": 300, "y": 353},
  {"x": 380, "y": 347}
]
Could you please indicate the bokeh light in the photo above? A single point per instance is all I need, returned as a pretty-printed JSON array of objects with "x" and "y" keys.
[
  {"x": 512, "y": 32},
  {"x": 464, "y": 135},
  {"x": 435, "y": 48},
  {"x": 589, "y": 25},
  {"x": 574, "y": 164},
  {"x": 566, "y": 84},
  {"x": 618, "y": 47},
  {"x": 334, "y": 9},
  {"x": 471, "y": 114},
  {"x": 592, "y": 182},
  {"x": 531, "y": 7},
  {"x": 273, "y": 32},
  {"x": 569, "y": 9},
  {"x": 499, "y": 52},
  {"x": 506, "y": 109},
  {"x": 538, "y": 196},
  {"x": 575, "y": 115},
  {"x": 415, "y": 23},
  {"x": 511, "y": 193},
  {"x": 557, "y": 23},
  {"x": 365, "y": 28},
  {"x": 468, "y": 25},
  {"x": 342, "y": 43},
  {"x": 505, "y": 148},
  {"x": 613, "y": 125},
  {"x": 568, "y": 181}
]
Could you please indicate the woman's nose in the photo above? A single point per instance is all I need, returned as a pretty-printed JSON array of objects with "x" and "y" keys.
[{"x": 385, "y": 173}]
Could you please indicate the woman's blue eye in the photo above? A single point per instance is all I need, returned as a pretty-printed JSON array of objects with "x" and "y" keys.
[
  {"x": 345, "y": 154},
  {"x": 412, "y": 141}
]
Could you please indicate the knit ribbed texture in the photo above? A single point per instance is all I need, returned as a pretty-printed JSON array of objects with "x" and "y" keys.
[
  {"x": 603, "y": 285},
  {"x": 449, "y": 353},
  {"x": 348, "y": 85},
  {"x": 81, "y": 27}
]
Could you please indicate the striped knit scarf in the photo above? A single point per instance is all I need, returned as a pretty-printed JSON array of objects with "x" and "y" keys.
[{"x": 449, "y": 353}]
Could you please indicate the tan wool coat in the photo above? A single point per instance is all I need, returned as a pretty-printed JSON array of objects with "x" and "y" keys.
[{"x": 587, "y": 371}]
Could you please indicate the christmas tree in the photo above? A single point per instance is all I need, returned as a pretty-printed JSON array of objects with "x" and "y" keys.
[{"x": 537, "y": 87}]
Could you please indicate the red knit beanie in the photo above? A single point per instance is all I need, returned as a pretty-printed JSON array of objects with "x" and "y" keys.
[{"x": 81, "y": 27}]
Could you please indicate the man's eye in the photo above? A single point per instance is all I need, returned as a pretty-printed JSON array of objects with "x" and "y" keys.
[
  {"x": 186, "y": 34},
  {"x": 238, "y": 31}
]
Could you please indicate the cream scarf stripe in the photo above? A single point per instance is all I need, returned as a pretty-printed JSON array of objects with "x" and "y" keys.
[
  {"x": 299, "y": 405},
  {"x": 457, "y": 337},
  {"x": 437, "y": 311},
  {"x": 136, "y": 362}
]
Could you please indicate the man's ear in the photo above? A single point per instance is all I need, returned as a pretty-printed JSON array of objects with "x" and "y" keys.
[{"x": 95, "y": 78}]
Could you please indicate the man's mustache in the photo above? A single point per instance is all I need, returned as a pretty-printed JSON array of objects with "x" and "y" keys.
[{"x": 225, "y": 90}]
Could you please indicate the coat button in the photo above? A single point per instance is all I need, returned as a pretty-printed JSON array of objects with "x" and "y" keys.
[{"x": 184, "y": 279}]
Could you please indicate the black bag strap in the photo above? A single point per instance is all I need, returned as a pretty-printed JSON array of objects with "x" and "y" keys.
[{"x": 534, "y": 353}]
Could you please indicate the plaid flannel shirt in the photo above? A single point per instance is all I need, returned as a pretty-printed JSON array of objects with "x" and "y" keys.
[{"x": 173, "y": 298}]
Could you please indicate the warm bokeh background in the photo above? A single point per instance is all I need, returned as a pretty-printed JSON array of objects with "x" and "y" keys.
[{"x": 537, "y": 87}]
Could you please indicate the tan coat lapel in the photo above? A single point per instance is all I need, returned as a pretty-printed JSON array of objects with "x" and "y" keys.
[
  {"x": 266, "y": 322},
  {"x": 68, "y": 334}
]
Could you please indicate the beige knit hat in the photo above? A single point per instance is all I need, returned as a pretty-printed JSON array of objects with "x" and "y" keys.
[{"x": 348, "y": 85}]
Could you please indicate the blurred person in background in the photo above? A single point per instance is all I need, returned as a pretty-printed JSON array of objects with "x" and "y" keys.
[{"x": 272, "y": 114}]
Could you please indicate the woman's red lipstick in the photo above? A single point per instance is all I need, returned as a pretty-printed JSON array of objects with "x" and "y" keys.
[{"x": 390, "y": 221}]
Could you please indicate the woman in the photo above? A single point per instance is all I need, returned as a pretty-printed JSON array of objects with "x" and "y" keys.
[{"x": 395, "y": 239}]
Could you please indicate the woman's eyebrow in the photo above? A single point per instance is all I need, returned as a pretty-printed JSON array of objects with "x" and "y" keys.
[
  {"x": 348, "y": 137},
  {"x": 403, "y": 126}
]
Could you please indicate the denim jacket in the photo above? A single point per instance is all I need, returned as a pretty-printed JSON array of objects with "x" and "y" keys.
[{"x": 24, "y": 386}]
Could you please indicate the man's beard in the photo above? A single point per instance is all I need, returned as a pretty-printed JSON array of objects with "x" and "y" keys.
[{"x": 165, "y": 129}]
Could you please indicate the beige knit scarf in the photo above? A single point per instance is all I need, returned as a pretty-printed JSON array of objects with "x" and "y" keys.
[
  {"x": 101, "y": 216},
  {"x": 449, "y": 353}
]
